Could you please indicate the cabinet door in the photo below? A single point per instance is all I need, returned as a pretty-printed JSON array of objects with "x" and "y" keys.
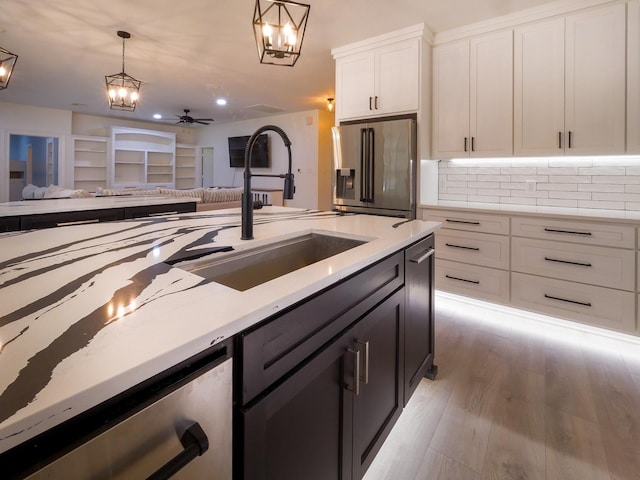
[
  {"x": 451, "y": 100},
  {"x": 491, "y": 92},
  {"x": 633, "y": 77},
  {"x": 9, "y": 224},
  {"x": 418, "y": 325},
  {"x": 301, "y": 429},
  {"x": 397, "y": 78},
  {"x": 379, "y": 402},
  {"x": 595, "y": 81},
  {"x": 355, "y": 85},
  {"x": 539, "y": 88}
]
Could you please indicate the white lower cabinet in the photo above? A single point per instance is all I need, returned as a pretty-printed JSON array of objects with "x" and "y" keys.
[
  {"x": 475, "y": 248},
  {"x": 599, "y": 306},
  {"x": 603, "y": 266},
  {"x": 472, "y": 281},
  {"x": 583, "y": 270},
  {"x": 472, "y": 254}
]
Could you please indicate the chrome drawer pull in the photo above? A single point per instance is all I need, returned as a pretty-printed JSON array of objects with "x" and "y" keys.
[
  {"x": 567, "y": 262},
  {"x": 355, "y": 388},
  {"x": 365, "y": 377},
  {"x": 195, "y": 443},
  {"x": 570, "y": 232},
  {"x": 476, "y": 282},
  {"x": 461, "y": 221},
  {"x": 422, "y": 257},
  {"x": 476, "y": 249},
  {"x": 584, "y": 304},
  {"x": 77, "y": 222}
]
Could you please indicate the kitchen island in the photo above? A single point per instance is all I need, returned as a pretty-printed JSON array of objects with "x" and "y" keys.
[
  {"x": 90, "y": 311},
  {"x": 52, "y": 212}
]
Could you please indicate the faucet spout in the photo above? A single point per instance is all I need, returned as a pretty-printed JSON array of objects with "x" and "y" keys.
[{"x": 247, "y": 197}]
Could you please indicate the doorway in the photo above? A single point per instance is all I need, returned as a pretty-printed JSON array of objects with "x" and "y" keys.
[
  {"x": 32, "y": 160},
  {"x": 207, "y": 167}
]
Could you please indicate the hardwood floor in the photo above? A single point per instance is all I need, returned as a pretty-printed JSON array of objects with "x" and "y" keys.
[{"x": 518, "y": 398}]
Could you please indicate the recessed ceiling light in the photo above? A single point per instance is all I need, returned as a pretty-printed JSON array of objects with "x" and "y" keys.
[
  {"x": 157, "y": 116},
  {"x": 221, "y": 101}
]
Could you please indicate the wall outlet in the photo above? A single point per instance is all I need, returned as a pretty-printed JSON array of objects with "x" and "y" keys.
[{"x": 530, "y": 185}]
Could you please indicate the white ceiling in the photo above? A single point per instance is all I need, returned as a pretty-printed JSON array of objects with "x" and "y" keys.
[{"x": 190, "y": 52}]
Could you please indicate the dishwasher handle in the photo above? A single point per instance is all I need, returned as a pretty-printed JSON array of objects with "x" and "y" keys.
[
  {"x": 195, "y": 443},
  {"x": 423, "y": 257}
]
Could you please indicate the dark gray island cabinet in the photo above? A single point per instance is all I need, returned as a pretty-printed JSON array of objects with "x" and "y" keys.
[
  {"x": 318, "y": 388},
  {"x": 302, "y": 376}
]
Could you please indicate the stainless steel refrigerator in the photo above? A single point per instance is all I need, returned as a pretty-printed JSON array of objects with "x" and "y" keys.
[{"x": 375, "y": 166}]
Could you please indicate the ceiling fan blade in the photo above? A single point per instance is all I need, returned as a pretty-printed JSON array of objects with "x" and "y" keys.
[
  {"x": 203, "y": 119},
  {"x": 200, "y": 122}
]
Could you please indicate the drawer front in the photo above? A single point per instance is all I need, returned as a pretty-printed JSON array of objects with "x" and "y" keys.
[
  {"x": 476, "y": 248},
  {"x": 602, "y": 234},
  {"x": 469, "y": 221},
  {"x": 138, "y": 446},
  {"x": 274, "y": 348},
  {"x": 607, "y": 267},
  {"x": 604, "y": 307},
  {"x": 477, "y": 282}
]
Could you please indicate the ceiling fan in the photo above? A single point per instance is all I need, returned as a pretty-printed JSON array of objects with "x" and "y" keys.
[{"x": 186, "y": 118}]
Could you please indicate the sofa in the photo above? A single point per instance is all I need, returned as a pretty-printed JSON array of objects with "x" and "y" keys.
[{"x": 210, "y": 198}]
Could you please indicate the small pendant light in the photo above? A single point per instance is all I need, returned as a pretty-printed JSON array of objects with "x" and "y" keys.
[{"x": 123, "y": 91}]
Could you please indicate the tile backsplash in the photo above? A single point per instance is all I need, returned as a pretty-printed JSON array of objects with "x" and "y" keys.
[{"x": 584, "y": 182}]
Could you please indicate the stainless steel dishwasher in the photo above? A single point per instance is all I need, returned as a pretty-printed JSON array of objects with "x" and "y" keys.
[{"x": 186, "y": 434}]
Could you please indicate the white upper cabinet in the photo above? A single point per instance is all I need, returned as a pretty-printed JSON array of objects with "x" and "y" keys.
[
  {"x": 539, "y": 88},
  {"x": 570, "y": 84},
  {"x": 473, "y": 97},
  {"x": 451, "y": 100},
  {"x": 382, "y": 81},
  {"x": 633, "y": 77}
]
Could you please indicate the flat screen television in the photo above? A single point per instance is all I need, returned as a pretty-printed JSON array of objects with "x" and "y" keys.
[{"x": 259, "y": 156}]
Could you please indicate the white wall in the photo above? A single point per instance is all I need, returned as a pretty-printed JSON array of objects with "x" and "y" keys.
[
  {"x": 101, "y": 126},
  {"x": 302, "y": 130},
  {"x": 37, "y": 121}
]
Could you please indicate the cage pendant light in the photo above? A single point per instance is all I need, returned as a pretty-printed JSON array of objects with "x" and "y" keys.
[
  {"x": 123, "y": 91},
  {"x": 7, "y": 62},
  {"x": 278, "y": 28}
]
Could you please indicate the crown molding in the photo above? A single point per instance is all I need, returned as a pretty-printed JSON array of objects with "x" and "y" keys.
[
  {"x": 415, "y": 31},
  {"x": 561, "y": 7}
]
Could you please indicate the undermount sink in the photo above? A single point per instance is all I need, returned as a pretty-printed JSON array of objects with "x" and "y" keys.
[{"x": 248, "y": 268}]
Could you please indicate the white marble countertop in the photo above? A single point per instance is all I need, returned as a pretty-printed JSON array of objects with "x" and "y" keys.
[
  {"x": 55, "y": 205},
  {"x": 618, "y": 216},
  {"x": 88, "y": 311}
]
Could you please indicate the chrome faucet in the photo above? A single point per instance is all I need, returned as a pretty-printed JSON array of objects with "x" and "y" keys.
[{"x": 247, "y": 198}]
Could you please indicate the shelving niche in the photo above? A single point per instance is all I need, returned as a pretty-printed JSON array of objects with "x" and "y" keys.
[
  {"x": 90, "y": 165},
  {"x": 186, "y": 166},
  {"x": 143, "y": 158}
]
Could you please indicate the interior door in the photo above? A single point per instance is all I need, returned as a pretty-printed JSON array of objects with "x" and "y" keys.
[{"x": 207, "y": 167}]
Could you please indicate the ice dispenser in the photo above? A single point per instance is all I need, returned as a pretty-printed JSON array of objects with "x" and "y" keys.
[{"x": 345, "y": 183}]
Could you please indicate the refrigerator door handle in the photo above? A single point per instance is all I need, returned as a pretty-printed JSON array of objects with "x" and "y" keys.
[
  {"x": 363, "y": 164},
  {"x": 371, "y": 160}
]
